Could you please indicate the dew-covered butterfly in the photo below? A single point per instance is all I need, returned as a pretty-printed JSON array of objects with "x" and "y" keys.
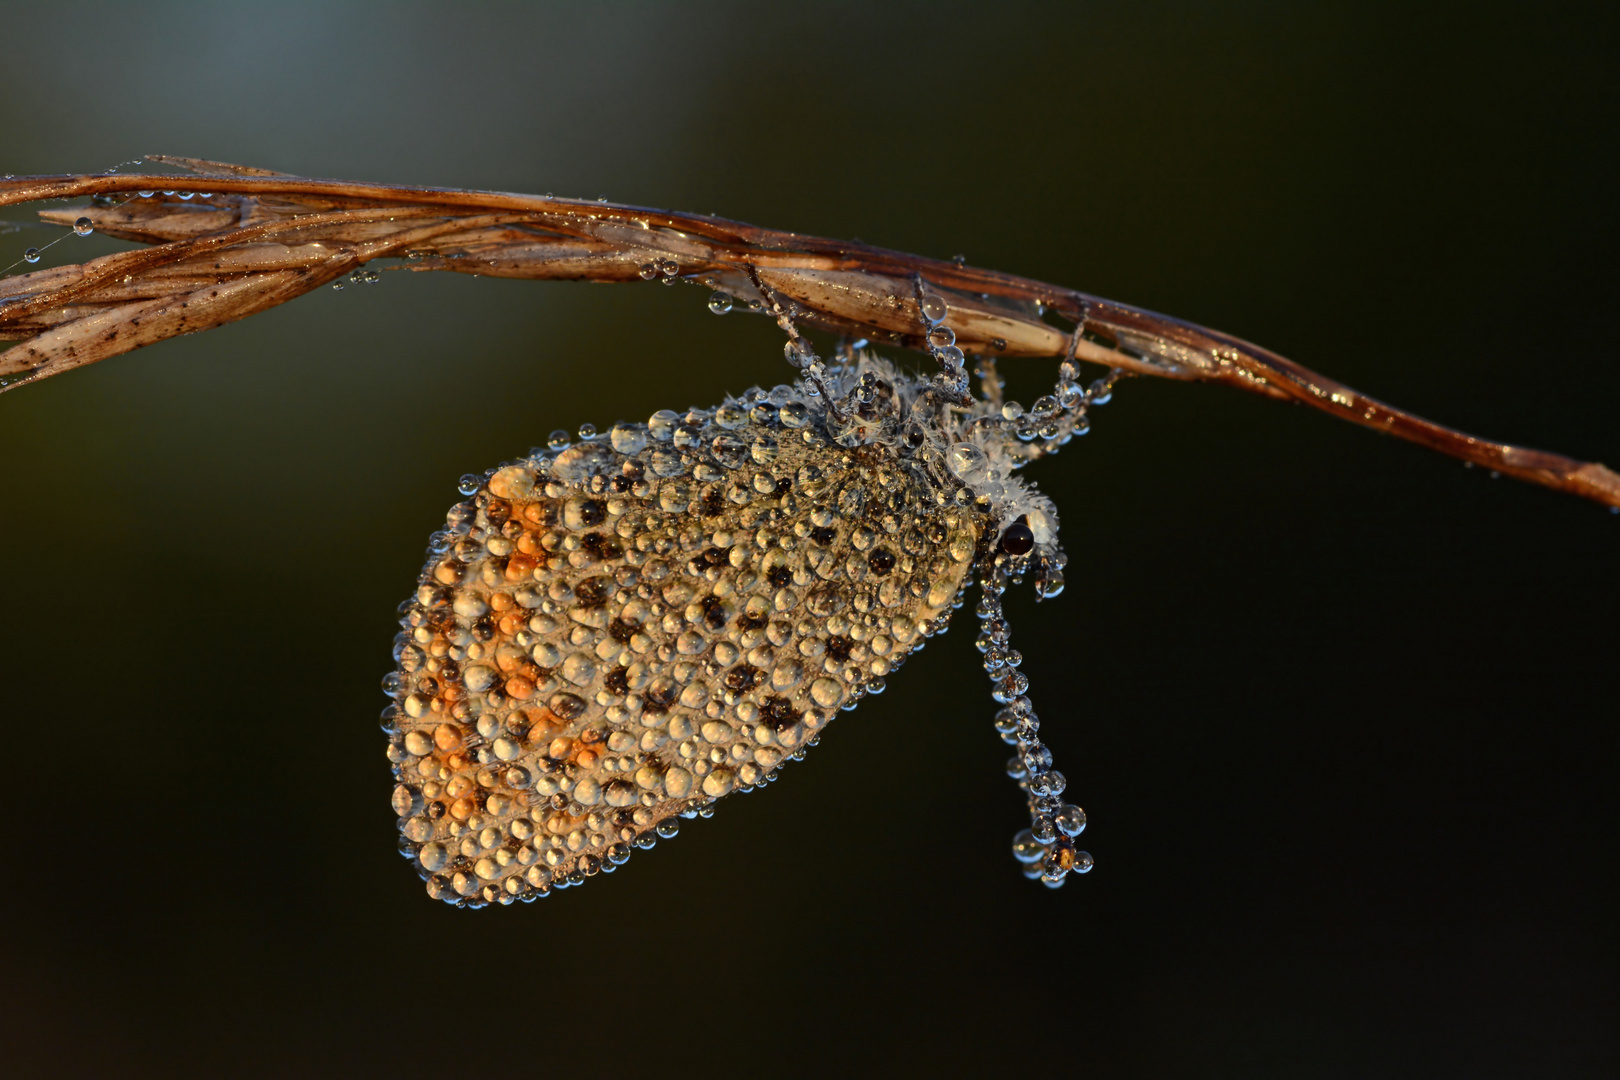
[{"x": 613, "y": 635}]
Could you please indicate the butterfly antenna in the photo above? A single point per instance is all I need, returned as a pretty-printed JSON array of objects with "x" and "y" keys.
[{"x": 1046, "y": 848}]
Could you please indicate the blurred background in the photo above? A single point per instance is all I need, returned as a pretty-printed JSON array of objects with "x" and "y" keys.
[{"x": 1341, "y": 712}]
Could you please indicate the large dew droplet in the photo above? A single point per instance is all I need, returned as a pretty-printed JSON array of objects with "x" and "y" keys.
[
  {"x": 661, "y": 425},
  {"x": 720, "y": 303},
  {"x": 84, "y": 227},
  {"x": 579, "y": 463},
  {"x": 628, "y": 438},
  {"x": 968, "y": 463}
]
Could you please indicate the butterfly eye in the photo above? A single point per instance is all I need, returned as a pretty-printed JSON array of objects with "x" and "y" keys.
[{"x": 1018, "y": 539}]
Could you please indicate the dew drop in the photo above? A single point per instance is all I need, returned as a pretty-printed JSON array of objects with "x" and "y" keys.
[
  {"x": 147, "y": 194},
  {"x": 729, "y": 450},
  {"x": 434, "y": 856},
  {"x": 587, "y": 431},
  {"x": 720, "y": 303},
  {"x": 1071, "y": 821},
  {"x": 31, "y": 255},
  {"x": 718, "y": 783},
  {"x": 826, "y": 693},
  {"x": 628, "y": 438},
  {"x": 83, "y": 227},
  {"x": 648, "y": 271},
  {"x": 941, "y": 336},
  {"x": 934, "y": 308},
  {"x": 1026, "y": 849},
  {"x": 661, "y": 425},
  {"x": 557, "y": 440},
  {"x": 967, "y": 463},
  {"x": 578, "y": 464},
  {"x": 469, "y": 483}
]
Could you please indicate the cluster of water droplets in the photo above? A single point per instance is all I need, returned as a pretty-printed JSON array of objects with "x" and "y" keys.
[
  {"x": 1054, "y": 419},
  {"x": 84, "y": 226},
  {"x": 359, "y": 277},
  {"x": 664, "y": 270},
  {"x": 983, "y": 460},
  {"x": 1045, "y": 849},
  {"x": 81, "y": 227},
  {"x": 940, "y": 342}
]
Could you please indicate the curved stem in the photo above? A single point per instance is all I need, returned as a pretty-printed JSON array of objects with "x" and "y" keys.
[{"x": 270, "y": 237}]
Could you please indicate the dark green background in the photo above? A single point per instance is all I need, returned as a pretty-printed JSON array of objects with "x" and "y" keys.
[{"x": 1342, "y": 713}]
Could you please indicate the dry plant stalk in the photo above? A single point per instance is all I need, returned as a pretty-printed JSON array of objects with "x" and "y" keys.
[{"x": 258, "y": 239}]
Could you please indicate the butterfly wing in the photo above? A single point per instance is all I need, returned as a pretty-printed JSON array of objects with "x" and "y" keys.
[{"x": 617, "y": 635}]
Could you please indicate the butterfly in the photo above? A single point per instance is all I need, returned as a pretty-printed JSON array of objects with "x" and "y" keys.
[{"x": 610, "y": 635}]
